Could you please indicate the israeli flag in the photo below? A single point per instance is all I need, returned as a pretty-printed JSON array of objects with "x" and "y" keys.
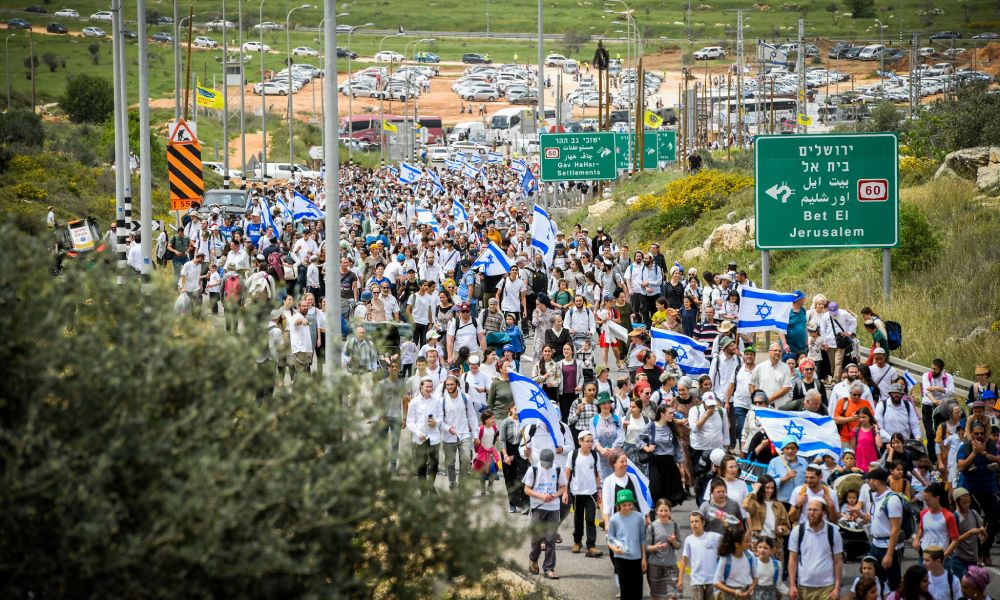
[
  {"x": 494, "y": 158},
  {"x": 267, "y": 218},
  {"x": 690, "y": 353},
  {"x": 910, "y": 381},
  {"x": 813, "y": 433},
  {"x": 528, "y": 183},
  {"x": 492, "y": 261},
  {"x": 436, "y": 182},
  {"x": 303, "y": 208},
  {"x": 409, "y": 173},
  {"x": 393, "y": 170},
  {"x": 543, "y": 234},
  {"x": 641, "y": 483},
  {"x": 535, "y": 408},
  {"x": 519, "y": 166},
  {"x": 470, "y": 171},
  {"x": 461, "y": 156},
  {"x": 286, "y": 213},
  {"x": 475, "y": 158},
  {"x": 764, "y": 310},
  {"x": 458, "y": 211},
  {"x": 453, "y": 165},
  {"x": 426, "y": 217}
]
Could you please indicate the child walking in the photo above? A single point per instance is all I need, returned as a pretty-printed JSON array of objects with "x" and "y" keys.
[
  {"x": 769, "y": 584},
  {"x": 663, "y": 536},
  {"x": 487, "y": 456},
  {"x": 627, "y": 539},
  {"x": 699, "y": 554},
  {"x": 735, "y": 573}
]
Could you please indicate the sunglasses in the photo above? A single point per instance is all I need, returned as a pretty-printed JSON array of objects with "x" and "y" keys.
[{"x": 808, "y": 369}]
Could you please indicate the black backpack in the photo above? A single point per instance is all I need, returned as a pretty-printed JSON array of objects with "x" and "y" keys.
[
  {"x": 539, "y": 281},
  {"x": 894, "y": 334}
]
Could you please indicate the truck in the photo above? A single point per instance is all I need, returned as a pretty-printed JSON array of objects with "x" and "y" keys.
[{"x": 468, "y": 131}]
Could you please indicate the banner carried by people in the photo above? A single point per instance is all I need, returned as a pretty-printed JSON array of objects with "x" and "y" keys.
[
  {"x": 764, "y": 310},
  {"x": 814, "y": 434},
  {"x": 535, "y": 409},
  {"x": 492, "y": 261},
  {"x": 543, "y": 234},
  {"x": 690, "y": 353}
]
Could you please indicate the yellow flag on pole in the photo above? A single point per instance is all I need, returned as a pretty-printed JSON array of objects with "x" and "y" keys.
[
  {"x": 805, "y": 120},
  {"x": 208, "y": 97},
  {"x": 387, "y": 126},
  {"x": 652, "y": 120}
]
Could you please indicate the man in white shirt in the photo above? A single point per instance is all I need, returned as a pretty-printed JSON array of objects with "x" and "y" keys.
[
  {"x": 458, "y": 422},
  {"x": 708, "y": 432},
  {"x": 511, "y": 294},
  {"x": 423, "y": 421},
  {"x": 813, "y": 488},
  {"x": 544, "y": 485},
  {"x": 883, "y": 374},
  {"x": 886, "y": 527},
  {"x": 896, "y": 415},
  {"x": 843, "y": 388},
  {"x": 476, "y": 384},
  {"x": 742, "y": 398},
  {"x": 814, "y": 546},
  {"x": 389, "y": 302},
  {"x": 581, "y": 323},
  {"x": 834, "y": 325},
  {"x": 237, "y": 261},
  {"x": 301, "y": 342},
  {"x": 463, "y": 332},
  {"x": 773, "y": 376},
  {"x": 429, "y": 270},
  {"x": 421, "y": 308},
  {"x": 723, "y": 371},
  {"x": 584, "y": 481},
  {"x": 190, "y": 282}
]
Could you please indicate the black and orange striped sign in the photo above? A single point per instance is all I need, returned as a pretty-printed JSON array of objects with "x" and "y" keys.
[{"x": 187, "y": 184}]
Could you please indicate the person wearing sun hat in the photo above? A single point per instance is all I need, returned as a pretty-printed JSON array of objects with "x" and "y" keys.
[
  {"x": 982, "y": 383},
  {"x": 627, "y": 539}
]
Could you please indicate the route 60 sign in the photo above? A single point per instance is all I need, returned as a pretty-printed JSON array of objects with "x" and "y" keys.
[
  {"x": 552, "y": 153},
  {"x": 873, "y": 190}
]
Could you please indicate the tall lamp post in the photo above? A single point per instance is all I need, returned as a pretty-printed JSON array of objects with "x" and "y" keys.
[
  {"x": 6, "y": 55},
  {"x": 263, "y": 97},
  {"x": 881, "y": 73},
  {"x": 291, "y": 120},
  {"x": 381, "y": 104},
  {"x": 350, "y": 96},
  {"x": 177, "y": 62}
]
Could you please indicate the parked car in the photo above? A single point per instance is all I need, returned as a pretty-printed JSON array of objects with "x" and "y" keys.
[
  {"x": 710, "y": 53},
  {"x": 128, "y": 34},
  {"x": 473, "y": 58},
  {"x": 103, "y": 15},
  {"x": 18, "y": 24},
  {"x": 389, "y": 56},
  {"x": 34, "y": 8},
  {"x": 255, "y": 47},
  {"x": 926, "y": 52},
  {"x": 344, "y": 28},
  {"x": 68, "y": 12},
  {"x": 555, "y": 60},
  {"x": 426, "y": 57},
  {"x": 205, "y": 42},
  {"x": 57, "y": 28},
  {"x": 531, "y": 98},
  {"x": 955, "y": 51},
  {"x": 268, "y": 26},
  {"x": 479, "y": 94},
  {"x": 162, "y": 20},
  {"x": 839, "y": 50},
  {"x": 854, "y": 52},
  {"x": 987, "y": 36},
  {"x": 94, "y": 32},
  {"x": 271, "y": 89},
  {"x": 437, "y": 154},
  {"x": 219, "y": 24},
  {"x": 343, "y": 53},
  {"x": 946, "y": 35},
  {"x": 163, "y": 38}
]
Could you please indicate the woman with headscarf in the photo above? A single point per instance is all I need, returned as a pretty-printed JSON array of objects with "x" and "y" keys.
[
  {"x": 609, "y": 435},
  {"x": 974, "y": 583},
  {"x": 683, "y": 402},
  {"x": 541, "y": 322}
]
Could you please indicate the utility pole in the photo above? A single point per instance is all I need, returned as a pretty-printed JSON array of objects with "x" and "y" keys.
[
  {"x": 263, "y": 100},
  {"x": 123, "y": 124},
  {"x": 121, "y": 162},
  {"x": 145, "y": 166},
  {"x": 800, "y": 70},
  {"x": 243, "y": 101},
  {"x": 740, "y": 64},
  {"x": 914, "y": 77},
  {"x": 177, "y": 62},
  {"x": 540, "y": 127},
  {"x": 225, "y": 98},
  {"x": 331, "y": 186}
]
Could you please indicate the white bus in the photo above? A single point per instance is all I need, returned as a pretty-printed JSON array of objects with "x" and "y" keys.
[{"x": 784, "y": 108}]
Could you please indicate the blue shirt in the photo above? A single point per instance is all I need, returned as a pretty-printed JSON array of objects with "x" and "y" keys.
[
  {"x": 254, "y": 231},
  {"x": 777, "y": 469},
  {"x": 978, "y": 478},
  {"x": 796, "y": 336},
  {"x": 629, "y": 533},
  {"x": 464, "y": 284}
]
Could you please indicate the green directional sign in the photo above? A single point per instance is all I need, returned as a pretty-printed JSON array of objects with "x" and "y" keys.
[
  {"x": 666, "y": 145},
  {"x": 827, "y": 191},
  {"x": 577, "y": 156},
  {"x": 660, "y": 147}
]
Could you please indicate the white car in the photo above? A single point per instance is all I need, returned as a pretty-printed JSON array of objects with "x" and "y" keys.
[
  {"x": 389, "y": 56},
  {"x": 67, "y": 12},
  {"x": 555, "y": 60},
  {"x": 104, "y": 15},
  {"x": 205, "y": 42},
  {"x": 437, "y": 154},
  {"x": 271, "y": 89},
  {"x": 219, "y": 168},
  {"x": 710, "y": 52},
  {"x": 94, "y": 32},
  {"x": 304, "y": 51},
  {"x": 255, "y": 47},
  {"x": 268, "y": 26},
  {"x": 219, "y": 24}
]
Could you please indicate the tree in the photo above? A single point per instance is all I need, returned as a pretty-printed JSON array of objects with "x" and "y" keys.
[
  {"x": 51, "y": 61},
  {"x": 30, "y": 64},
  {"x": 95, "y": 52},
  {"x": 861, "y": 9},
  {"x": 21, "y": 127},
  {"x": 884, "y": 117},
  {"x": 88, "y": 99},
  {"x": 573, "y": 40},
  {"x": 135, "y": 461},
  {"x": 832, "y": 8}
]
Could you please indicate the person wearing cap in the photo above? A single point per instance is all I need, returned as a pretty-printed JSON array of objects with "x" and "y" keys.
[
  {"x": 584, "y": 480},
  {"x": 886, "y": 527},
  {"x": 464, "y": 332},
  {"x": 975, "y": 458},
  {"x": 724, "y": 371},
  {"x": 544, "y": 485},
  {"x": 971, "y": 530},
  {"x": 843, "y": 388},
  {"x": 883, "y": 374},
  {"x": 788, "y": 469},
  {"x": 423, "y": 421},
  {"x": 897, "y": 415},
  {"x": 773, "y": 376},
  {"x": 938, "y": 387},
  {"x": 814, "y": 546},
  {"x": 838, "y": 329},
  {"x": 627, "y": 540},
  {"x": 707, "y": 422},
  {"x": 982, "y": 384}
]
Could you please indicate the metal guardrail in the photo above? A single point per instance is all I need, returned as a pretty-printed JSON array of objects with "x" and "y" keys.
[{"x": 961, "y": 385}]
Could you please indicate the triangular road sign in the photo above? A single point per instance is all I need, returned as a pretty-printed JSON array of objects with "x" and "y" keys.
[{"x": 182, "y": 134}]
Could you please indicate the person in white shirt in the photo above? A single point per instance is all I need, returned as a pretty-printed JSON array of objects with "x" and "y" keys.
[
  {"x": 134, "y": 256},
  {"x": 813, "y": 547},
  {"x": 723, "y": 371},
  {"x": 214, "y": 287},
  {"x": 544, "y": 485},
  {"x": 707, "y": 431},
  {"x": 843, "y": 388},
  {"x": 837, "y": 324},
  {"x": 700, "y": 554},
  {"x": 813, "y": 488},
  {"x": 312, "y": 275},
  {"x": 464, "y": 332},
  {"x": 584, "y": 480},
  {"x": 742, "y": 397},
  {"x": 943, "y": 583},
  {"x": 511, "y": 294},
  {"x": 476, "y": 384},
  {"x": 237, "y": 261},
  {"x": 301, "y": 341},
  {"x": 938, "y": 387},
  {"x": 896, "y": 415},
  {"x": 50, "y": 218},
  {"x": 429, "y": 270},
  {"x": 423, "y": 417},
  {"x": 305, "y": 247},
  {"x": 883, "y": 374},
  {"x": 773, "y": 376},
  {"x": 581, "y": 323},
  {"x": 458, "y": 421},
  {"x": 421, "y": 308},
  {"x": 190, "y": 282},
  {"x": 886, "y": 512}
]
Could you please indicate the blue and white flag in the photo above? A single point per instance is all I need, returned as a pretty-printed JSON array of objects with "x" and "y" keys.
[
  {"x": 690, "y": 353},
  {"x": 304, "y": 208},
  {"x": 764, "y": 310},
  {"x": 470, "y": 171},
  {"x": 453, "y": 165},
  {"x": 286, "y": 213},
  {"x": 492, "y": 261},
  {"x": 814, "y": 434},
  {"x": 910, "y": 381},
  {"x": 265, "y": 208},
  {"x": 426, "y": 217},
  {"x": 436, "y": 182},
  {"x": 528, "y": 183},
  {"x": 409, "y": 173},
  {"x": 519, "y": 166},
  {"x": 475, "y": 158},
  {"x": 461, "y": 156},
  {"x": 458, "y": 211},
  {"x": 393, "y": 170},
  {"x": 535, "y": 408},
  {"x": 493, "y": 158},
  {"x": 641, "y": 483},
  {"x": 543, "y": 234}
]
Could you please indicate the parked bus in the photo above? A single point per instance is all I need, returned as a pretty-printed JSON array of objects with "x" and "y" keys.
[
  {"x": 366, "y": 127},
  {"x": 784, "y": 108}
]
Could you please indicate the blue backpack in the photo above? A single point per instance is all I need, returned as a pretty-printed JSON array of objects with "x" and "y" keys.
[{"x": 894, "y": 334}]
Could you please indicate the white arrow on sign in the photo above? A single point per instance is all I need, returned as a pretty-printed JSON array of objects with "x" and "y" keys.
[{"x": 782, "y": 191}]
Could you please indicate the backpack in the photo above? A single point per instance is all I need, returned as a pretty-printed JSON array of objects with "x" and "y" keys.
[
  {"x": 572, "y": 466},
  {"x": 274, "y": 261},
  {"x": 802, "y": 532},
  {"x": 753, "y": 567},
  {"x": 232, "y": 289},
  {"x": 894, "y": 334},
  {"x": 539, "y": 281},
  {"x": 907, "y": 522}
]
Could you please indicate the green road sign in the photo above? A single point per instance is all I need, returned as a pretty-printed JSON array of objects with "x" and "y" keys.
[
  {"x": 660, "y": 147},
  {"x": 666, "y": 145},
  {"x": 827, "y": 191},
  {"x": 578, "y": 156}
]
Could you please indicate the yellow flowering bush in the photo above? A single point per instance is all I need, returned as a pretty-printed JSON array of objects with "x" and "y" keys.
[
  {"x": 695, "y": 194},
  {"x": 29, "y": 191},
  {"x": 914, "y": 170}
]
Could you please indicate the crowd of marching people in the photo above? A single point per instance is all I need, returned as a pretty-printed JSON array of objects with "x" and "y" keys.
[{"x": 616, "y": 385}]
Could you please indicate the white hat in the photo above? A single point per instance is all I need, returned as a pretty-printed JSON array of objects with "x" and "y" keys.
[
  {"x": 583, "y": 434},
  {"x": 474, "y": 360},
  {"x": 709, "y": 399},
  {"x": 716, "y": 456}
]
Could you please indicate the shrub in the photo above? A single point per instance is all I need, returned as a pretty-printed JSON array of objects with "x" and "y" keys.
[
  {"x": 914, "y": 170},
  {"x": 88, "y": 99},
  {"x": 918, "y": 243},
  {"x": 29, "y": 191},
  {"x": 683, "y": 200},
  {"x": 21, "y": 128}
]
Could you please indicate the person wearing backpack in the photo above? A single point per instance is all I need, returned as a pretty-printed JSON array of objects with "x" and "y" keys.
[
  {"x": 544, "y": 485},
  {"x": 583, "y": 482},
  {"x": 944, "y": 585},
  {"x": 813, "y": 547},
  {"x": 974, "y": 459},
  {"x": 736, "y": 571},
  {"x": 887, "y": 535}
]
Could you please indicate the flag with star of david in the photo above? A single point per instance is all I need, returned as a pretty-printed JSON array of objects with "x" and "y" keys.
[
  {"x": 764, "y": 310},
  {"x": 492, "y": 261},
  {"x": 690, "y": 353},
  {"x": 535, "y": 408},
  {"x": 815, "y": 434}
]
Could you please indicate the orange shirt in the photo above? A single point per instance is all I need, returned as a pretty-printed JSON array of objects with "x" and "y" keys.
[{"x": 847, "y": 407}]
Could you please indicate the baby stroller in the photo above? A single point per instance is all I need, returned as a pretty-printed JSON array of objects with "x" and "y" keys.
[{"x": 852, "y": 531}]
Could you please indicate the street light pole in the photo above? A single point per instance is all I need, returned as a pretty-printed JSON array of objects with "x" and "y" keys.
[
  {"x": 331, "y": 186},
  {"x": 243, "y": 100},
  {"x": 6, "y": 55},
  {"x": 381, "y": 105},
  {"x": 225, "y": 97},
  {"x": 177, "y": 62},
  {"x": 263, "y": 98},
  {"x": 350, "y": 97},
  {"x": 288, "y": 66},
  {"x": 145, "y": 160},
  {"x": 122, "y": 162}
]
